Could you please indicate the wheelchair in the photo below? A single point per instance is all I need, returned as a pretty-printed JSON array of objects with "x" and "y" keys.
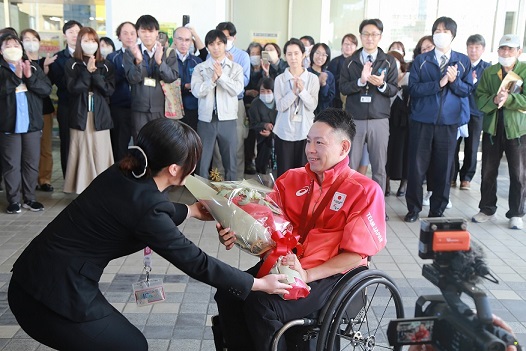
[{"x": 355, "y": 316}]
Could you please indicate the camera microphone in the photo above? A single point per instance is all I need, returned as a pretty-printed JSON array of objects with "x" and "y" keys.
[{"x": 470, "y": 266}]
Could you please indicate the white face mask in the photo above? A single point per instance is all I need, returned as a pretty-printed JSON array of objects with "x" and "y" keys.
[
  {"x": 89, "y": 48},
  {"x": 255, "y": 60},
  {"x": 442, "y": 40},
  {"x": 12, "y": 54},
  {"x": 507, "y": 61},
  {"x": 229, "y": 44},
  {"x": 105, "y": 51},
  {"x": 191, "y": 50},
  {"x": 267, "y": 98},
  {"x": 31, "y": 46}
]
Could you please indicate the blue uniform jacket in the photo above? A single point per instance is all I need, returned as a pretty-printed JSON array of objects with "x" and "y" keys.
[
  {"x": 122, "y": 95},
  {"x": 474, "y": 111},
  {"x": 186, "y": 69},
  {"x": 432, "y": 104}
]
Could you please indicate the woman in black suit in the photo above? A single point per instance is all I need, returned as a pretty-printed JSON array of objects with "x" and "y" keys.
[{"x": 54, "y": 292}]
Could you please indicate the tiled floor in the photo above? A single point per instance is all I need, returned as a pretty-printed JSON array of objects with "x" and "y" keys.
[{"x": 183, "y": 321}]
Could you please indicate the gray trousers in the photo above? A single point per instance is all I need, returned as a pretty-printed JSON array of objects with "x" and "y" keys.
[
  {"x": 139, "y": 119},
  {"x": 20, "y": 156},
  {"x": 242, "y": 132},
  {"x": 374, "y": 132},
  {"x": 224, "y": 132}
]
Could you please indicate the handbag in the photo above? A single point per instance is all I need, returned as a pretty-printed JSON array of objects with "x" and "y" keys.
[{"x": 173, "y": 100}]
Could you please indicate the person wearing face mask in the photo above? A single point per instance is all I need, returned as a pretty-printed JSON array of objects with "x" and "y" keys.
[
  {"x": 251, "y": 92},
  {"x": 241, "y": 58},
  {"x": 56, "y": 74},
  {"x": 308, "y": 42},
  {"x": 31, "y": 40},
  {"x": 503, "y": 127},
  {"x": 120, "y": 100},
  {"x": 90, "y": 81},
  {"x": 262, "y": 116},
  {"x": 106, "y": 47},
  {"x": 440, "y": 83},
  {"x": 23, "y": 84}
]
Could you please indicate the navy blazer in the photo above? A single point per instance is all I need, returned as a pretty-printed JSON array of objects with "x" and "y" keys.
[{"x": 115, "y": 216}]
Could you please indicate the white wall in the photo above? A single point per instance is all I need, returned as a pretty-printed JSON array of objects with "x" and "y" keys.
[{"x": 204, "y": 14}]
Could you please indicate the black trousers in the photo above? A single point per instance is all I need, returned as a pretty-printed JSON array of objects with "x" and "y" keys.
[
  {"x": 190, "y": 118},
  {"x": 251, "y": 324},
  {"x": 471, "y": 145},
  {"x": 113, "y": 332},
  {"x": 430, "y": 146},
  {"x": 492, "y": 150},
  {"x": 63, "y": 132},
  {"x": 120, "y": 134},
  {"x": 289, "y": 154},
  {"x": 264, "y": 154}
]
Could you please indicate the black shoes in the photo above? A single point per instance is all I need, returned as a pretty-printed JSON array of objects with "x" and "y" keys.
[
  {"x": 411, "y": 217},
  {"x": 250, "y": 168},
  {"x": 45, "y": 187}
]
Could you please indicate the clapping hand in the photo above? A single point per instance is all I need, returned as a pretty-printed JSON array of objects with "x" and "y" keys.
[
  {"x": 366, "y": 72},
  {"x": 501, "y": 97},
  {"x": 377, "y": 81},
  {"x": 451, "y": 73},
  {"x": 91, "y": 64},
  {"x": 323, "y": 78},
  {"x": 159, "y": 52},
  {"x": 218, "y": 71},
  {"x": 26, "y": 68}
]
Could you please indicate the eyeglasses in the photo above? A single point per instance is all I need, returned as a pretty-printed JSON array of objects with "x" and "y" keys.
[
  {"x": 348, "y": 44},
  {"x": 370, "y": 35},
  {"x": 320, "y": 54}
]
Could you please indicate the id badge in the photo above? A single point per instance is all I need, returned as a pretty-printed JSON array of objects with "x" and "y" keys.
[
  {"x": 149, "y": 82},
  {"x": 365, "y": 99},
  {"x": 297, "y": 117},
  {"x": 22, "y": 88},
  {"x": 148, "y": 292}
]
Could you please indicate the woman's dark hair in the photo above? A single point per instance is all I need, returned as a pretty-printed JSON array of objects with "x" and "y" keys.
[
  {"x": 418, "y": 48},
  {"x": 13, "y": 36},
  {"x": 400, "y": 58},
  {"x": 294, "y": 41},
  {"x": 397, "y": 43},
  {"x": 267, "y": 83},
  {"x": 78, "y": 46},
  {"x": 339, "y": 120},
  {"x": 214, "y": 34},
  {"x": 8, "y": 30},
  {"x": 327, "y": 51},
  {"x": 351, "y": 37},
  {"x": 276, "y": 46},
  {"x": 165, "y": 142},
  {"x": 254, "y": 45},
  {"x": 147, "y": 22},
  {"x": 29, "y": 30},
  {"x": 108, "y": 41}
]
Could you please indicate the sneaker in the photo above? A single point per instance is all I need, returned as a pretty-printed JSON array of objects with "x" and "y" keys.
[
  {"x": 449, "y": 204},
  {"x": 453, "y": 183},
  {"x": 481, "y": 217},
  {"x": 516, "y": 223},
  {"x": 34, "y": 206},
  {"x": 425, "y": 201},
  {"x": 13, "y": 208},
  {"x": 465, "y": 185},
  {"x": 45, "y": 187}
]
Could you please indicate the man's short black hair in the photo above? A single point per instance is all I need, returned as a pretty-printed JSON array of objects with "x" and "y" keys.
[
  {"x": 229, "y": 26},
  {"x": 476, "y": 39},
  {"x": 448, "y": 23},
  {"x": 70, "y": 24},
  {"x": 339, "y": 120},
  {"x": 308, "y": 38},
  {"x": 375, "y": 22},
  {"x": 147, "y": 22},
  {"x": 214, "y": 34}
]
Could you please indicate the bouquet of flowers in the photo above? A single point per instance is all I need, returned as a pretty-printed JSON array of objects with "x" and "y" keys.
[{"x": 259, "y": 224}]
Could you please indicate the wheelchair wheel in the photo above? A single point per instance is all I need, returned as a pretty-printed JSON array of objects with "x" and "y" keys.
[{"x": 360, "y": 320}]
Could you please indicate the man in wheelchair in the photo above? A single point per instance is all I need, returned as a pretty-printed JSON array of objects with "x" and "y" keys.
[{"x": 339, "y": 214}]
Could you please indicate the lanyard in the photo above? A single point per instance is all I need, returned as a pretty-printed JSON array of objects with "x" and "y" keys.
[{"x": 307, "y": 225}]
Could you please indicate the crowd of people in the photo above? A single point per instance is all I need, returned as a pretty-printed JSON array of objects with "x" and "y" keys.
[
  {"x": 253, "y": 108},
  {"x": 321, "y": 120}
]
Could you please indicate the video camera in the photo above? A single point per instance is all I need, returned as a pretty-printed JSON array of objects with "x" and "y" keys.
[{"x": 445, "y": 321}]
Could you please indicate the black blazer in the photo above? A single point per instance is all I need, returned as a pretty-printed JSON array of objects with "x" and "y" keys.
[{"x": 115, "y": 216}]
